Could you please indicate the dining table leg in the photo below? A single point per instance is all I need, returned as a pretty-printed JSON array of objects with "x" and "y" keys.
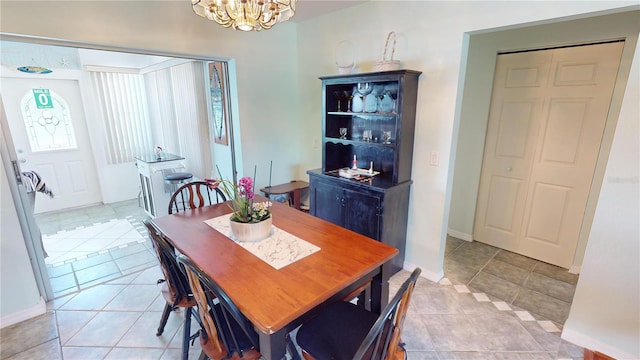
[
  {"x": 273, "y": 346},
  {"x": 380, "y": 290}
]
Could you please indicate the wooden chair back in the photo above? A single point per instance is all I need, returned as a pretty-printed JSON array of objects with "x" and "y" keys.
[
  {"x": 176, "y": 280},
  {"x": 383, "y": 340},
  {"x": 226, "y": 333},
  {"x": 194, "y": 195}
]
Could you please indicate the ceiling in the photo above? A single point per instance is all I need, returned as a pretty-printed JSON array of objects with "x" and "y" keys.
[
  {"x": 21, "y": 54},
  {"x": 307, "y": 9}
]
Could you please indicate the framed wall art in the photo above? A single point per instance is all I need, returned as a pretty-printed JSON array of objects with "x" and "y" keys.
[{"x": 218, "y": 95}]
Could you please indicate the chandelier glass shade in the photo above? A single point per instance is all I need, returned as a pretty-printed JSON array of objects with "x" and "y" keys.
[{"x": 245, "y": 15}]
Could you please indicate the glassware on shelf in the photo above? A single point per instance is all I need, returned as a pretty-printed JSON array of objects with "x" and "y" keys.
[
  {"x": 348, "y": 94},
  {"x": 393, "y": 95},
  {"x": 339, "y": 95},
  {"x": 364, "y": 89},
  {"x": 379, "y": 93},
  {"x": 343, "y": 133},
  {"x": 366, "y": 136},
  {"x": 386, "y": 137}
]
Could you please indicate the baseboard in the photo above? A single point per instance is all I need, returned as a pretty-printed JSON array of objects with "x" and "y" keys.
[
  {"x": 574, "y": 269},
  {"x": 460, "y": 235},
  {"x": 429, "y": 275},
  {"x": 590, "y": 343},
  {"x": 38, "y": 309}
]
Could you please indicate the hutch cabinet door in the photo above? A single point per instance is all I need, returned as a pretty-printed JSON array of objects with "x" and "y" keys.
[
  {"x": 363, "y": 213},
  {"x": 327, "y": 201}
]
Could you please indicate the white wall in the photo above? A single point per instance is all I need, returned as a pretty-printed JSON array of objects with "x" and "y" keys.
[
  {"x": 20, "y": 298},
  {"x": 606, "y": 307}
]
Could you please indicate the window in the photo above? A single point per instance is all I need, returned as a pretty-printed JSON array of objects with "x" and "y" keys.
[{"x": 47, "y": 121}]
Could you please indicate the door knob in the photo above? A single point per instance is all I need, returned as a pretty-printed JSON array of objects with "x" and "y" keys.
[
  {"x": 509, "y": 168},
  {"x": 23, "y": 160}
]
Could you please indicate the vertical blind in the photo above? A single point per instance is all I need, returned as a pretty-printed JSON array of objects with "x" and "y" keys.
[
  {"x": 122, "y": 102},
  {"x": 179, "y": 114},
  {"x": 165, "y": 107}
]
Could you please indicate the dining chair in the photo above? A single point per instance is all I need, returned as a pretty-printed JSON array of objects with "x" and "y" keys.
[
  {"x": 226, "y": 333},
  {"x": 175, "y": 286},
  {"x": 345, "y": 331},
  {"x": 194, "y": 195}
]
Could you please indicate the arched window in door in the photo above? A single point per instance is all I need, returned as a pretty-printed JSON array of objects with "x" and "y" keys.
[{"x": 47, "y": 121}]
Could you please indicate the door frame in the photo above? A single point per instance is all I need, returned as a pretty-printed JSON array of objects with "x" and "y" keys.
[
  {"x": 27, "y": 221},
  {"x": 30, "y": 229},
  {"x": 477, "y": 71}
]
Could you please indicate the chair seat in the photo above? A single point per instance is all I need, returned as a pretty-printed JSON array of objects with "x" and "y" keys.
[
  {"x": 342, "y": 323},
  {"x": 178, "y": 177},
  {"x": 188, "y": 301}
]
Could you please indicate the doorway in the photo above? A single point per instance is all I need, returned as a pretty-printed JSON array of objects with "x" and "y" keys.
[
  {"x": 224, "y": 156},
  {"x": 548, "y": 113},
  {"x": 479, "y": 62}
]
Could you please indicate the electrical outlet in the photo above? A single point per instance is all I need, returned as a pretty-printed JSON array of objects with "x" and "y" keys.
[{"x": 315, "y": 143}]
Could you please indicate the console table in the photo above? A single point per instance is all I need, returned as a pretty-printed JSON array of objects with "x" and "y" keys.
[{"x": 292, "y": 188}]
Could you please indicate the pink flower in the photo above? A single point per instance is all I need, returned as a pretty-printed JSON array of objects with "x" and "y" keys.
[{"x": 245, "y": 187}]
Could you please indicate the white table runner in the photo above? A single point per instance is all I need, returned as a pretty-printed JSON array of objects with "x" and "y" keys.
[{"x": 278, "y": 250}]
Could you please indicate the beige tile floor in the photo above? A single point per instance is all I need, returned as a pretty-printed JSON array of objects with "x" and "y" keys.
[
  {"x": 462, "y": 317},
  {"x": 93, "y": 245},
  {"x": 80, "y": 243},
  {"x": 117, "y": 320}
]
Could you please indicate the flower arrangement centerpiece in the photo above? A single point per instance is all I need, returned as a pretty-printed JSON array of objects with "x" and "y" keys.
[
  {"x": 241, "y": 200},
  {"x": 249, "y": 220}
]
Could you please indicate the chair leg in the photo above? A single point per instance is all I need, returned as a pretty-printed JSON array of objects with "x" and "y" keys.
[
  {"x": 292, "y": 349},
  {"x": 186, "y": 334},
  {"x": 163, "y": 319},
  {"x": 203, "y": 356}
]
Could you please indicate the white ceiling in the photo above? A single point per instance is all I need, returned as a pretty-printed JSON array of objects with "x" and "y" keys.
[
  {"x": 307, "y": 9},
  {"x": 23, "y": 54}
]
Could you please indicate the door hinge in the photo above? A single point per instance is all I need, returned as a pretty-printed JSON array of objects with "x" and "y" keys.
[{"x": 16, "y": 171}]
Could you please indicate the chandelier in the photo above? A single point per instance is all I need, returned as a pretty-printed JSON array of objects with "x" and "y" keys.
[{"x": 245, "y": 15}]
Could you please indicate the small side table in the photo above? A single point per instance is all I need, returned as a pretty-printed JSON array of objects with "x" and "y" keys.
[{"x": 292, "y": 188}]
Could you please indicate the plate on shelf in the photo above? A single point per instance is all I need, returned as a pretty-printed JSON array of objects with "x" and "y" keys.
[{"x": 351, "y": 173}]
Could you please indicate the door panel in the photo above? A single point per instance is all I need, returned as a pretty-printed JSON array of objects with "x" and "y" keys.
[
  {"x": 565, "y": 128},
  {"x": 509, "y": 147},
  {"x": 544, "y": 135},
  {"x": 327, "y": 202},
  {"x": 363, "y": 214},
  {"x": 578, "y": 103},
  {"x": 548, "y": 209},
  {"x": 68, "y": 171},
  {"x": 503, "y": 197}
]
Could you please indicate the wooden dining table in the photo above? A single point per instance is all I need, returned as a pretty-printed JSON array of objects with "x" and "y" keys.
[{"x": 278, "y": 301}]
